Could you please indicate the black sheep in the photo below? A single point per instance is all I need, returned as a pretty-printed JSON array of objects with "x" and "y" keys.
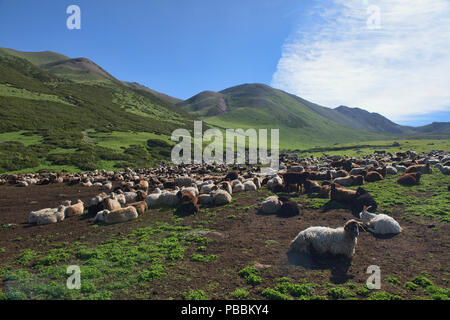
[{"x": 363, "y": 198}]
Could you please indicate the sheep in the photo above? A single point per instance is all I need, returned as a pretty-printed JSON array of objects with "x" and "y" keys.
[
  {"x": 444, "y": 169},
  {"x": 357, "y": 171},
  {"x": 191, "y": 189},
  {"x": 75, "y": 209},
  {"x": 238, "y": 187},
  {"x": 373, "y": 176},
  {"x": 117, "y": 216},
  {"x": 233, "y": 175},
  {"x": 424, "y": 169},
  {"x": 270, "y": 205},
  {"x": 341, "y": 194},
  {"x": 207, "y": 188},
  {"x": 226, "y": 185},
  {"x": 249, "y": 186},
  {"x": 312, "y": 186},
  {"x": 142, "y": 185},
  {"x": 140, "y": 206},
  {"x": 339, "y": 241},
  {"x": 350, "y": 180},
  {"x": 205, "y": 199},
  {"x": 47, "y": 215},
  {"x": 168, "y": 198},
  {"x": 362, "y": 199},
  {"x": 289, "y": 208},
  {"x": 188, "y": 203},
  {"x": 183, "y": 181},
  {"x": 379, "y": 223},
  {"x": 409, "y": 179},
  {"x": 221, "y": 197},
  {"x": 275, "y": 181},
  {"x": 295, "y": 179},
  {"x": 391, "y": 170}
]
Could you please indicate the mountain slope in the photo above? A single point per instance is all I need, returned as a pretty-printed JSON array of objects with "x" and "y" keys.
[
  {"x": 260, "y": 106},
  {"x": 160, "y": 95},
  {"x": 67, "y": 114}
]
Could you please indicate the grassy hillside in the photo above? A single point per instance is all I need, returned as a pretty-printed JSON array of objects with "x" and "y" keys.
[
  {"x": 36, "y": 102},
  {"x": 260, "y": 106}
]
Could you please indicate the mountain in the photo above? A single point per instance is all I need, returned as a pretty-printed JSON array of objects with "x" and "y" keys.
[
  {"x": 77, "y": 115},
  {"x": 160, "y": 95},
  {"x": 261, "y": 105}
]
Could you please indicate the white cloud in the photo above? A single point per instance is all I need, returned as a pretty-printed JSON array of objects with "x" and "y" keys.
[{"x": 399, "y": 70}]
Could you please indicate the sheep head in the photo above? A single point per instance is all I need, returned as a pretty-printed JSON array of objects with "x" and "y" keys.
[{"x": 352, "y": 228}]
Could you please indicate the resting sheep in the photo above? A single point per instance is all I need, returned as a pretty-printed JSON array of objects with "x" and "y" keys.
[
  {"x": 117, "y": 216},
  {"x": 47, "y": 216},
  {"x": 409, "y": 179},
  {"x": 322, "y": 240},
  {"x": 289, "y": 208},
  {"x": 270, "y": 205},
  {"x": 379, "y": 223},
  {"x": 75, "y": 209}
]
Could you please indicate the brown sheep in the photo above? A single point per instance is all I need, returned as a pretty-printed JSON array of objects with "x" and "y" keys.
[
  {"x": 142, "y": 185},
  {"x": 188, "y": 203},
  {"x": 409, "y": 179},
  {"x": 140, "y": 206},
  {"x": 358, "y": 180},
  {"x": 295, "y": 179},
  {"x": 75, "y": 209},
  {"x": 422, "y": 168},
  {"x": 289, "y": 208},
  {"x": 233, "y": 175},
  {"x": 373, "y": 176},
  {"x": 341, "y": 194},
  {"x": 314, "y": 175},
  {"x": 312, "y": 186}
]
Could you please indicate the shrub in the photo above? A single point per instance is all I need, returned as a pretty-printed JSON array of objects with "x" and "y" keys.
[
  {"x": 239, "y": 294},
  {"x": 194, "y": 295},
  {"x": 272, "y": 294}
]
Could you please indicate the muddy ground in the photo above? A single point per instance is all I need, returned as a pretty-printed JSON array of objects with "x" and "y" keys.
[{"x": 248, "y": 237}]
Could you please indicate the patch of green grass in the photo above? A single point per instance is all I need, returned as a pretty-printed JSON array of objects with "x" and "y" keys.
[
  {"x": 340, "y": 293},
  {"x": 196, "y": 257},
  {"x": 194, "y": 295},
  {"x": 239, "y": 294},
  {"x": 363, "y": 291},
  {"x": 272, "y": 294},
  {"x": 411, "y": 286},
  {"x": 382, "y": 295},
  {"x": 393, "y": 280},
  {"x": 26, "y": 256}
]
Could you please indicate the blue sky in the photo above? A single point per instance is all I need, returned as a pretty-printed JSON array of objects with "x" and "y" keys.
[{"x": 183, "y": 47}]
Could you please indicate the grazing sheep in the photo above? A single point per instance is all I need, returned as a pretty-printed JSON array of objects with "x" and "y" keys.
[
  {"x": 409, "y": 179},
  {"x": 188, "y": 203},
  {"x": 342, "y": 195},
  {"x": 379, "y": 223},
  {"x": 75, "y": 209},
  {"x": 373, "y": 176},
  {"x": 337, "y": 241},
  {"x": 221, "y": 197},
  {"x": 140, "y": 206},
  {"x": 270, "y": 205},
  {"x": 362, "y": 199},
  {"x": 118, "y": 215},
  {"x": 289, "y": 208}
]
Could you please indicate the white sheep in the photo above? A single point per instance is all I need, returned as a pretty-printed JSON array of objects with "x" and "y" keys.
[
  {"x": 249, "y": 186},
  {"x": 221, "y": 197},
  {"x": 341, "y": 240},
  {"x": 275, "y": 181},
  {"x": 47, "y": 215},
  {"x": 270, "y": 205},
  {"x": 379, "y": 223},
  {"x": 238, "y": 187}
]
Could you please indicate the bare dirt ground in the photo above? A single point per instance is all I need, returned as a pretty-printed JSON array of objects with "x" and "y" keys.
[{"x": 248, "y": 237}]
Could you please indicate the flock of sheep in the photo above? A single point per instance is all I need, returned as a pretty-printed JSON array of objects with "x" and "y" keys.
[{"x": 187, "y": 188}]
